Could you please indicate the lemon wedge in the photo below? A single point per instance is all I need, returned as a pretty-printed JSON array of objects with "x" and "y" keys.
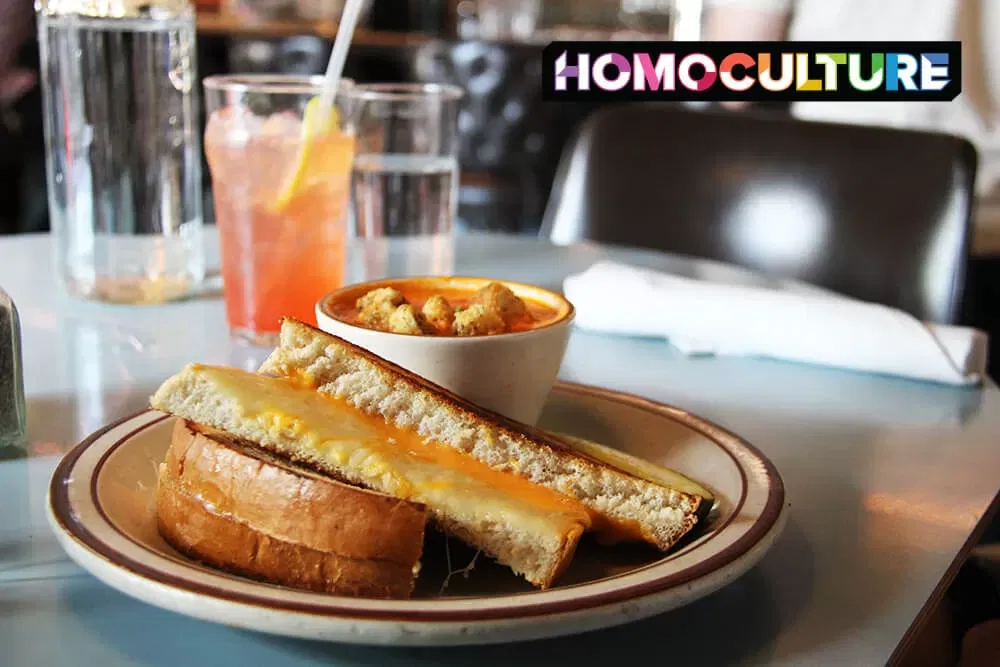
[{"x": 312, "y": 126}]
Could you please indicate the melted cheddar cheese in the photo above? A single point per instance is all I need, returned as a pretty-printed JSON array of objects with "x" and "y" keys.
[{"x": 388, "y": 458}]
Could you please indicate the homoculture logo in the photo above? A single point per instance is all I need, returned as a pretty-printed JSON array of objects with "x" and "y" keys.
[{"x": 756, "y": 71}]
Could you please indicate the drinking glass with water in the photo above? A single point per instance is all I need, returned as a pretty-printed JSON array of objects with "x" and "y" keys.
[
  {"x": 123, "y": 153},
  {"x": 404, "y": 182}
]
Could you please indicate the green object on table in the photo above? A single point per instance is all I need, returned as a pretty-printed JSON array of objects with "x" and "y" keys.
[{"x": 12, "y": 408}]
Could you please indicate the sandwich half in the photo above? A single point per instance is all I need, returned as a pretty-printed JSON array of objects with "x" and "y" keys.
[
  {"x": 222, "y": 501},
  {"x": 621, "y": 505},
  {"x": 531, "y": 528}
]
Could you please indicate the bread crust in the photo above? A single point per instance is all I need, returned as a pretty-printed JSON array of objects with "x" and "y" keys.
[
  {"x": 624, "y": 504},
  {"x": 245, "y": 511},
  {"x": 534, "y": 541}
]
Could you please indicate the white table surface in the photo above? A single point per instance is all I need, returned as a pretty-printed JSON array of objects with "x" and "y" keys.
[{"x": 887, "y": 481}]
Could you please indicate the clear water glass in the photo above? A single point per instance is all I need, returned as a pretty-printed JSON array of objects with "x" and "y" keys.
[
  {"x": 404, "y": 181},
  {"x": 123, "y": 152}
]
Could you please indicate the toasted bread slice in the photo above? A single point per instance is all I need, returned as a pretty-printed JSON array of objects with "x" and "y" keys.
[
  {"x": 532, "y": 529},
  {"x": 623, "y": 506},
  {"x": 247, "y": 512}
]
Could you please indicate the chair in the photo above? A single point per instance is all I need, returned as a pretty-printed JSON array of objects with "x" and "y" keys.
[{"x": 876, "y": 214}]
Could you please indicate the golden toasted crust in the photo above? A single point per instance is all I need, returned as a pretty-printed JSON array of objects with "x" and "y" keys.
[
  {"x": 627, "y": 505},
  {"x": 247, "y": 512},
  {"x": 534, "y": 541}
]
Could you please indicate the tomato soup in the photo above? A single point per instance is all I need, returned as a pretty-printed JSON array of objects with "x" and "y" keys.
[{"x": 444, "y": 307}]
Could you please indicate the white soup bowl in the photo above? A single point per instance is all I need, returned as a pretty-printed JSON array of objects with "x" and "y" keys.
[{"x": 508, "y": 373}]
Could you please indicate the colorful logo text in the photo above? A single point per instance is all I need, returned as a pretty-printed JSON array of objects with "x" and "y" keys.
[{"x": 752, "y": 71}]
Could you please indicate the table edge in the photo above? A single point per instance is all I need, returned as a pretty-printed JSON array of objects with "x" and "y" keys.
[{"x": 941, "y": 589}]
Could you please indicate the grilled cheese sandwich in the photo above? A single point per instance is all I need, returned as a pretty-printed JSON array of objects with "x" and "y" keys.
[
  {"x": 531, "y": 528},
  {"x": 222, "y": 501},
  {"x": 621, "y": 505},
  {"x": 323, "y": 405}
]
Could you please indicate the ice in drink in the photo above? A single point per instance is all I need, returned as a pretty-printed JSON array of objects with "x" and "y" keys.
[{"x": 282, "y": 241}]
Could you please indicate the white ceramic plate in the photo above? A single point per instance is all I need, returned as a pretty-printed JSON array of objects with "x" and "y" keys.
[{"x": 101, "y": 506}]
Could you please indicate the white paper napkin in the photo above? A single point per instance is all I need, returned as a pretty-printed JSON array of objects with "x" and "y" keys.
[{"x": 701, "y": 317}]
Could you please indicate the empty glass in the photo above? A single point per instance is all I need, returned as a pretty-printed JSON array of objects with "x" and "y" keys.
[
  {"x": 404, "y": 181},
  {"x": 122, "y": 148}
]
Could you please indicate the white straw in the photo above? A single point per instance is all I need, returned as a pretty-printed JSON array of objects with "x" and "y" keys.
[{"x": 338, "y": 56}]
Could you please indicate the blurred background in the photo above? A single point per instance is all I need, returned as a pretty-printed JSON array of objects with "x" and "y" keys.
[{"x": 510, "y": 139}]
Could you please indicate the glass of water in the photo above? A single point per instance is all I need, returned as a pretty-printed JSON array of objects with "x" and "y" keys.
[
  {"x": 123, "y": 152},
  {"x": 404, "y": 181}
]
